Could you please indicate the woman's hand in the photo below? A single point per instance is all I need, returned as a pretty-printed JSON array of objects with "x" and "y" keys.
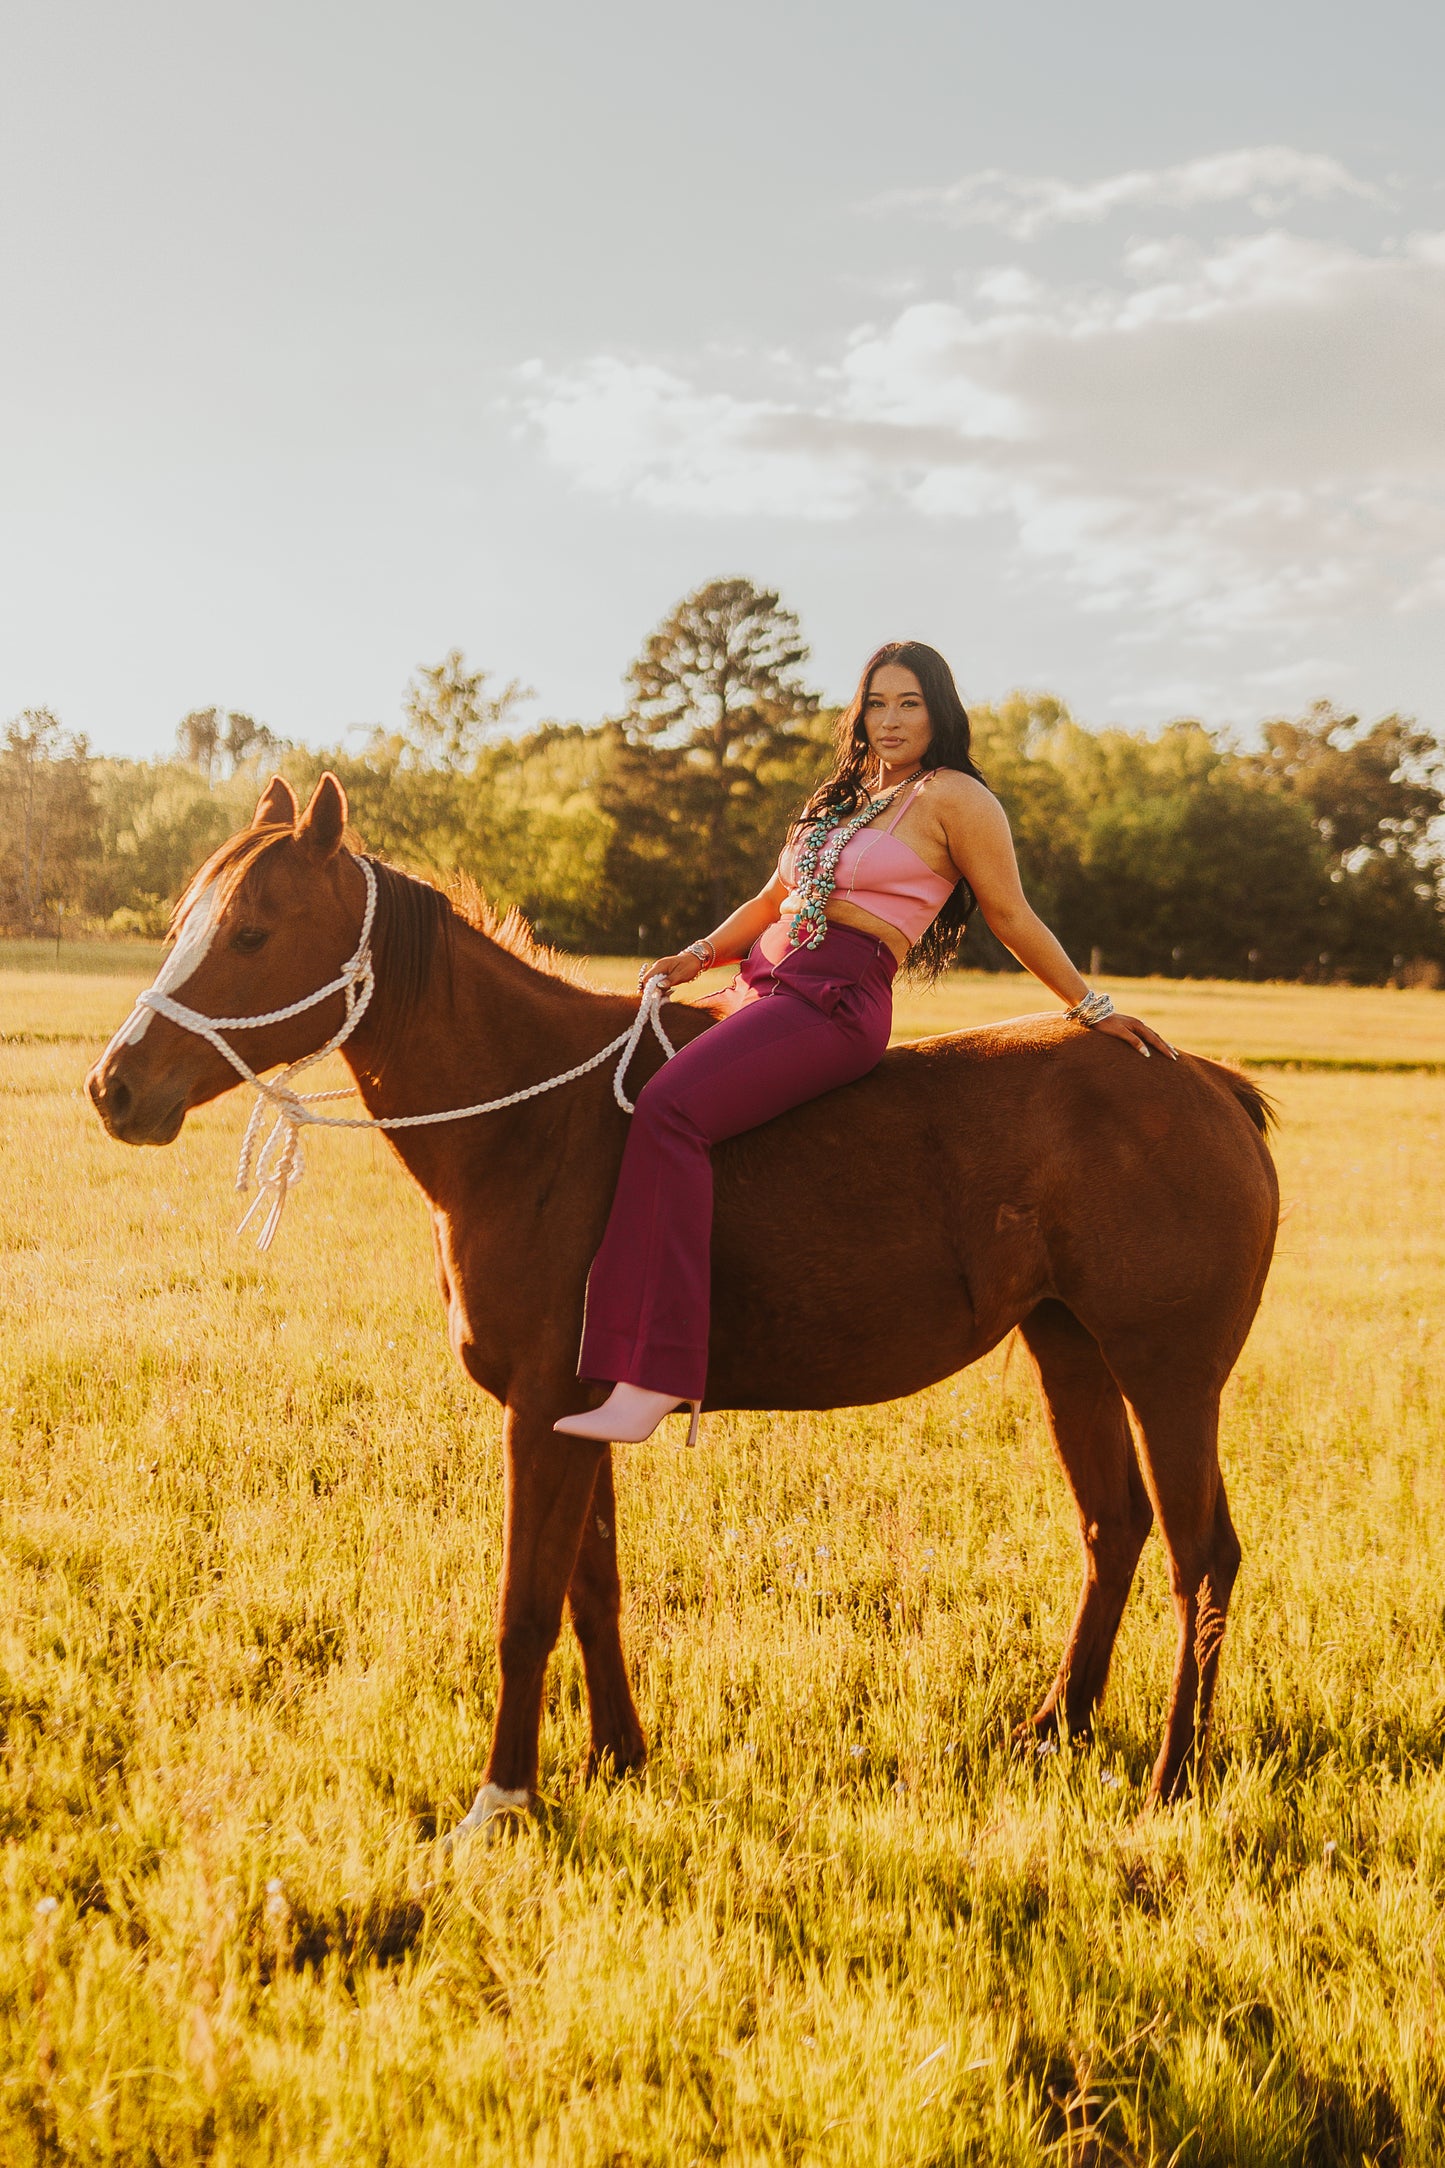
[
  {"x": 677, "y": 970},
  {"x": 1134, "y": 1032}
]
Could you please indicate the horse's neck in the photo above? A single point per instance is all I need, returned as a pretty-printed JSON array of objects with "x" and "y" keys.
[{"x": 485, "y": 1024}]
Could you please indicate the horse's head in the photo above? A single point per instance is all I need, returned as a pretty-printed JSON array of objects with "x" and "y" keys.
[{"x": 272, "y": 915}]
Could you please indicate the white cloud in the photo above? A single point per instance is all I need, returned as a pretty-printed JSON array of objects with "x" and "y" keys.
[
  {"x": 631, "y": 428},
  {"x": 1248, "y": 435},
  {"x": 917, "y": 374},
  {"x": 1270, "y": 179}
]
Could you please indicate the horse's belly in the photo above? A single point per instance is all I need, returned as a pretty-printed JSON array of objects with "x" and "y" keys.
[
  {"x": 835, "y": 1337},
  {"x": 744, "y": 1379}
]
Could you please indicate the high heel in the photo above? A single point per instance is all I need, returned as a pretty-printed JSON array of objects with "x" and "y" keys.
[{"x": 628, "y": 1416}]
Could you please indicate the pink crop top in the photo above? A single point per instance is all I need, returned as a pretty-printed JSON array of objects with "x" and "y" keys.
[{"x": 879, "y": 874}]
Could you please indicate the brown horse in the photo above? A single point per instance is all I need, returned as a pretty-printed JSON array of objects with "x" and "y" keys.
[{"x": 1121, "y": 1213}]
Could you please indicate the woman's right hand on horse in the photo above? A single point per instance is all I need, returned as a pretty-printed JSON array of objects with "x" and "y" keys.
[{"x": 677, "y": 970}]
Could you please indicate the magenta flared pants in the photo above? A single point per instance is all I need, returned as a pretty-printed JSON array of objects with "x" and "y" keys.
[{"x": 804, "y": 1022}]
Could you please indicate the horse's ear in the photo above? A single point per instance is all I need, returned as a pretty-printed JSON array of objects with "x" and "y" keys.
[
  {"x": 276, "y": 806},
  {"x": 323, "y": 824}
]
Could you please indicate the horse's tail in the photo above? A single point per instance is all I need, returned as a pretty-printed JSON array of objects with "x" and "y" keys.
[{"x": 1260, "y": 1108}]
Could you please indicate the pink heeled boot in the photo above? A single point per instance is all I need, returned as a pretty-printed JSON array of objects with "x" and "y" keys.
[{"x": 628, "y": 1415}]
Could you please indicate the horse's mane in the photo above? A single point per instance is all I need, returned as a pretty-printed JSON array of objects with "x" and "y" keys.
[{"x": 510, "y": 930}]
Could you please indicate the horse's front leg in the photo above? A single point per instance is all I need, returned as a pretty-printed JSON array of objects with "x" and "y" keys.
[
  {"x": 595, "y": 1599},
  {"x": 549, "y": 1486}
]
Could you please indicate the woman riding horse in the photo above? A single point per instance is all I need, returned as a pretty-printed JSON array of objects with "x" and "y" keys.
[
  {"x": 848, "y": 903},
  {"x": 1120, "y": 1216}
]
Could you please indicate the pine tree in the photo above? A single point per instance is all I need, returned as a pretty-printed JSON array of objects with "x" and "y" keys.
[{"x": 715, "y": 690}]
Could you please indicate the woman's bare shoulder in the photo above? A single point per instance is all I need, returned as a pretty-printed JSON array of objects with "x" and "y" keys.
[{"x": 954, "y": 792}]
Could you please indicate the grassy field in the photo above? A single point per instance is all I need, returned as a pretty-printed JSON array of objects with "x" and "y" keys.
[
  {"x": 248, "y": 1548},
  {"x": 91, "y": 959}
]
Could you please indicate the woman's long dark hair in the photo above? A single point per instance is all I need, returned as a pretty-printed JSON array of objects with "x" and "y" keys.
[{"x": 843, "y": 793}]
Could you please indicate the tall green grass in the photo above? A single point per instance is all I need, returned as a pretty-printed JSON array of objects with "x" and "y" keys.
[{"x": 248, "y": 1551}]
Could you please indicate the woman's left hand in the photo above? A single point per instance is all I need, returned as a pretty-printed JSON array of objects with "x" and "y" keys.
[
  {"x": 676, "y": 970},
  {"x": 1134, "y": 1032}
]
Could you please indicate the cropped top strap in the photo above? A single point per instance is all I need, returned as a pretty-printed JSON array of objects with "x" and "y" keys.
[{"x": 907, "y": 795}]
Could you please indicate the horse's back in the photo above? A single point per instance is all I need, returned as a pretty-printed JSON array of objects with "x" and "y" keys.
[
  {"x": 922, "y": 1211},
  {"x": 1034, "y": 1091}
]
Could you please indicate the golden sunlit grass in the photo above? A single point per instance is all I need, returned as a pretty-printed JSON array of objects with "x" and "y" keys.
[{"x": 248, "y": 1552}]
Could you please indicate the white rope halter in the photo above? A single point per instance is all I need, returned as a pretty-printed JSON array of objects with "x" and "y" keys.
[{"x": 279, "y": 1164}]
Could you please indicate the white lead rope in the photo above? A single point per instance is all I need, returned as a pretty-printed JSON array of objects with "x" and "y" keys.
[{"x": 279, "y": 1164}]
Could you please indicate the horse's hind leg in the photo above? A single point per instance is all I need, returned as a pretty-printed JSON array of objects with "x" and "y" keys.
[
  {"x": 595, "y": 1599},
  {"x": 1091, "y": 1437},
  {"x": 1178, "y": 1423}
]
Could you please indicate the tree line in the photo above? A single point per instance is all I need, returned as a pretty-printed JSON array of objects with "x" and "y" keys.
[{"x": 1319, "y": 854}]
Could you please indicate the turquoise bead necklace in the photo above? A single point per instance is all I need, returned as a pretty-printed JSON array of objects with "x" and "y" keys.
[{"x": 819, "y": 849}]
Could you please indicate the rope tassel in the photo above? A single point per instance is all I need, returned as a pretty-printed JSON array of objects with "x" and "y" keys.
[
  {"x": 276, "y": 1169},
  {"x": 278, "y": 1165}
]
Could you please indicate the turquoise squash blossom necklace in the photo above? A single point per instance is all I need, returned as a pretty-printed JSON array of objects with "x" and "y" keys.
[{"x": 819, "y": 849}]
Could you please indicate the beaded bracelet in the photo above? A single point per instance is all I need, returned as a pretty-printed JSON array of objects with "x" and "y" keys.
[{"x": 1091, "y": 1010}]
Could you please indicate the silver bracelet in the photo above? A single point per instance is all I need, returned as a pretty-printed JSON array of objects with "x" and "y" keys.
[
  {"x": 697, "y": 948},
  {"x": 1091, "y": 1010}
]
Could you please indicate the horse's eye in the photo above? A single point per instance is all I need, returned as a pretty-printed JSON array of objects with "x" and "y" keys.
[{"x": 250, "y": 938}]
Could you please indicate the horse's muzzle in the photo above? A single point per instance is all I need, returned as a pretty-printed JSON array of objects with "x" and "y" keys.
[{"x": 131, "y": 1114}]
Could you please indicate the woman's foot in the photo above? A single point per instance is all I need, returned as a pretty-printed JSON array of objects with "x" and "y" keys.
[{"x": 629, "y": 1414}]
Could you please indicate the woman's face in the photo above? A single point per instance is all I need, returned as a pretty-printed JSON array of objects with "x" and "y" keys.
[{"x": 895, "y": 717}]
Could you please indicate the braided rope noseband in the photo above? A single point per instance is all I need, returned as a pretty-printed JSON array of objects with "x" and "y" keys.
[{"x": 279, "y": 1164}]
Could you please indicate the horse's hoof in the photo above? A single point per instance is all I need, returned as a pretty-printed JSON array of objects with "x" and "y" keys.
[
  {"x": 1047, "y": 1734},
  {"x": 489, "y": 1805}
]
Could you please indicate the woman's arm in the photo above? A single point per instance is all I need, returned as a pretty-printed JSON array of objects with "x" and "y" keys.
[
  {"x": 981, "y": 846},
  {"x": 732, "y": 939}
]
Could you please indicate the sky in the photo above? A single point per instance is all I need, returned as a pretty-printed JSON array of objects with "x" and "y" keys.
[{"x": 1103, "y": 348}]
